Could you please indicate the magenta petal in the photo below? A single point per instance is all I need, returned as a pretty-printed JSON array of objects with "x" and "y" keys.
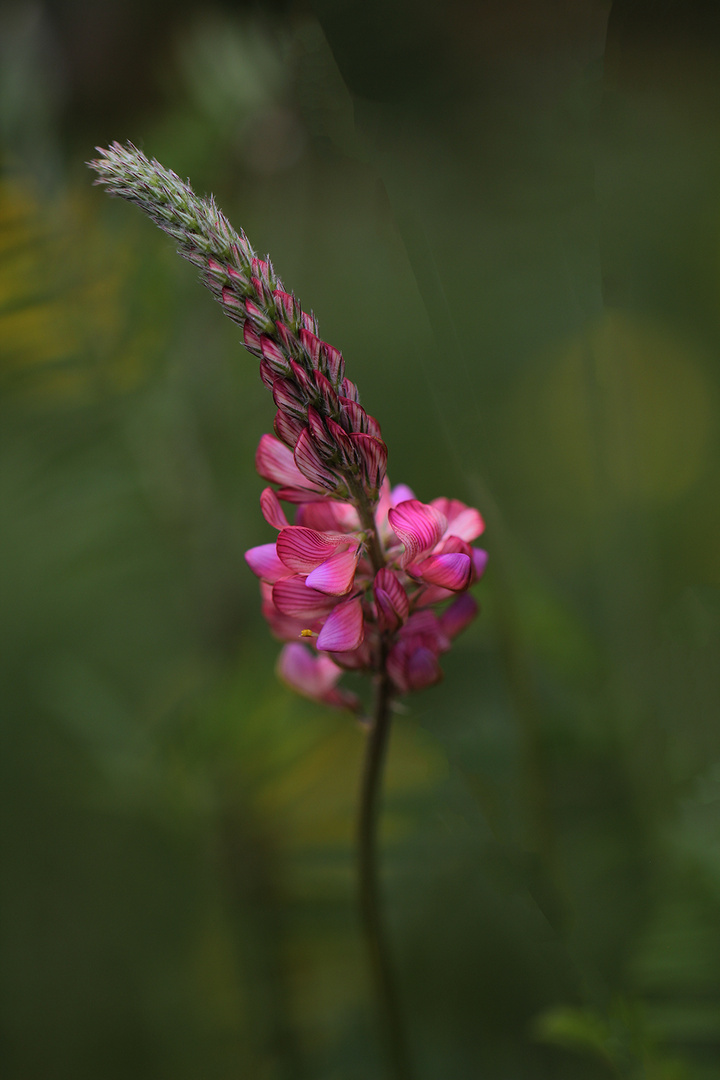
[
  {"x": 305, "y": 672},
  {"x": 391, "y": 600},
  {"x": 272, "y": 511},
  {"x": 311, "y": 465},
  {"x": 291, "y": 596},
  {"x": 418, "y": 526},
  {"x": 328, "y": 515},
  {"x": 336, "y": 575},
  {"x": 343, "y": 629},
  {"x": 401, "y": 493},
  {"x": 460, "y": 614},
  {"x": 275, "y": 462},
  {"x": 264, "y": 562},
  {"x": 467, "y": 525},
  {"x": 449, "y": 571},
  {"x": 304, "y": 549},
  {"x": 479, "y": 558},
  {"x": 422, "y": 669}
]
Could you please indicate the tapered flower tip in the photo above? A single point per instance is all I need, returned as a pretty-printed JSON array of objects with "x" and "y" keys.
[
  {"x": 343, "y": 630},
  {"x": 418, "y": 526},
  {"x": 460, "y": 614},
  {"x": 462, "y": 521},
  {"x": 313, "y": 676},
  {"x": 264, "y": 562},
  {"x": 391, "y": 600}
]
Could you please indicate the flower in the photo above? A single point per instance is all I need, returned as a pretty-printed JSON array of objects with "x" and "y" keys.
[{"x": 319, "y": 583}]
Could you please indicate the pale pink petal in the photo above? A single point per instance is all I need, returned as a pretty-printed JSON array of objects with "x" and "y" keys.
[
  {"x": 343, "y": 630},
  {"x": 328, "y": 515},
  {"x": 264, "y": 562},
  {"x": 272, "y": 511},
  {"x": 303, "y": 549},
  {"x": 336, "y": 575},
  {"x": 418, "y": 526},
  {"x": 460, "y": 614},
  {"x": 306, "y": 672},
  {"x": 275, "y": 462},
  {"x": 311, "y": 465},
  {"x": 448, "y": 571},
  {"x": 401, "y": 493},
  {"x": 291, "y": 596}
]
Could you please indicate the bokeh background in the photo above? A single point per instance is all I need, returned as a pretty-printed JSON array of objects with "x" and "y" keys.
[{"x": 507, "y": 215}]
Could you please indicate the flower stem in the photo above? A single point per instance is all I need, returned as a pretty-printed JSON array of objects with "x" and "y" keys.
[{"x": 385, "y": 992}]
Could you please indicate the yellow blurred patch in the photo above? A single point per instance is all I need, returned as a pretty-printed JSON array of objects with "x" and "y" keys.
[{"x": 627, "y": 407}]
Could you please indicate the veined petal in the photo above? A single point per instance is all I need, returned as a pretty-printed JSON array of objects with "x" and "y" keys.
[
  {"x": 418, "y": 526},
  {"x": 304, "y": 549},
  {"x": 271, "y": 509},
  {"x": 291, "y": 596},
  {"x": 373, "y": 454},
  {"x": 311, "y": 466},
  {"x": 264, "y": 562},
  {"x": 275, "y": 462},
  {"x": 451, "y": 571},
  {"x": 391, "y": 600},
  {"x": 336, "y": 575},
  {"x": 460, "y": 614},
  {"x": 343, "y": 630},
  {"x": 463, "y": 521}
]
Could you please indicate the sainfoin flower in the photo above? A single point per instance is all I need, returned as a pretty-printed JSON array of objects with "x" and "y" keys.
[{"x": 366, "y": 577}]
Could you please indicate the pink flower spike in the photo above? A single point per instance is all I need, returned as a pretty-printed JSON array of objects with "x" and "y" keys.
[
  {"x": 418, "y": 526},
  {"x": 336, "y": 575},
  {"x": 271, "y": 509},
  {"x": 460, "y": 614},
  {"x": 291, "y": 596},
  {"x": 304, "y": 549},
  {"x": 451, "y": 571},
  {"x": 343, "y": 630},
  {"x": 263, "y": 562},
  {"x": 313, "y": 676},
  {"x": 275, "y": 462}
]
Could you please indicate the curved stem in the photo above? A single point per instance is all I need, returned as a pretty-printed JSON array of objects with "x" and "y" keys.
[{"x": 382, "y": 977}]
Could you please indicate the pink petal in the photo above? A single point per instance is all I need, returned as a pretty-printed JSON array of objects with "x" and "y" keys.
[
  {"x": 288, "y": 428},
  {"x": 422, "y": 669},
  {"x": 448, "y": 571},
  {"x": 303, "y": 549},
  {"x": 328, "y": 515},
  {"x": 401, "y": 493},
  {"x": 275, "y": 462},
  {"x": 336, "y": 575},
  {"x": 264, "y": 562},
  {"x": 391, "y": 600},
  {"x": 418, "y": 526},
  {"x": 343, "y": 630},
  {"x": 460, "y": 614},
  {"x": 271, "y": 509},
  {"x": 306, "y": 672},
  {"x": 311, "y": 465},
  {"x": 291, "y": 596},
  {"x": 479, "y": 558}
]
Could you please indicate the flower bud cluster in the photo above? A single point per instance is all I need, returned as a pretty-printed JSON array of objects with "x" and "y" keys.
[
  {"x": 336, "y": 445},
  {"x": 322, "y": 581}
]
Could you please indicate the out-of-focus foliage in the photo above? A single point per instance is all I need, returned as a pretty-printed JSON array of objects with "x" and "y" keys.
[{"x": 506, "y": 215}]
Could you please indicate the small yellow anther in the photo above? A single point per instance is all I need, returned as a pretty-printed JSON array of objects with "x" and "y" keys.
[{"x": 307, "y": 633}]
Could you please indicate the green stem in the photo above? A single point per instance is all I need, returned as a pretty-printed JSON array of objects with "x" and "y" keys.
[{"x": 386, "y": 997}]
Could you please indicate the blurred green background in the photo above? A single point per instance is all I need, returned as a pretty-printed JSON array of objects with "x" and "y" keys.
[{"x": 507, "y": 215}]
